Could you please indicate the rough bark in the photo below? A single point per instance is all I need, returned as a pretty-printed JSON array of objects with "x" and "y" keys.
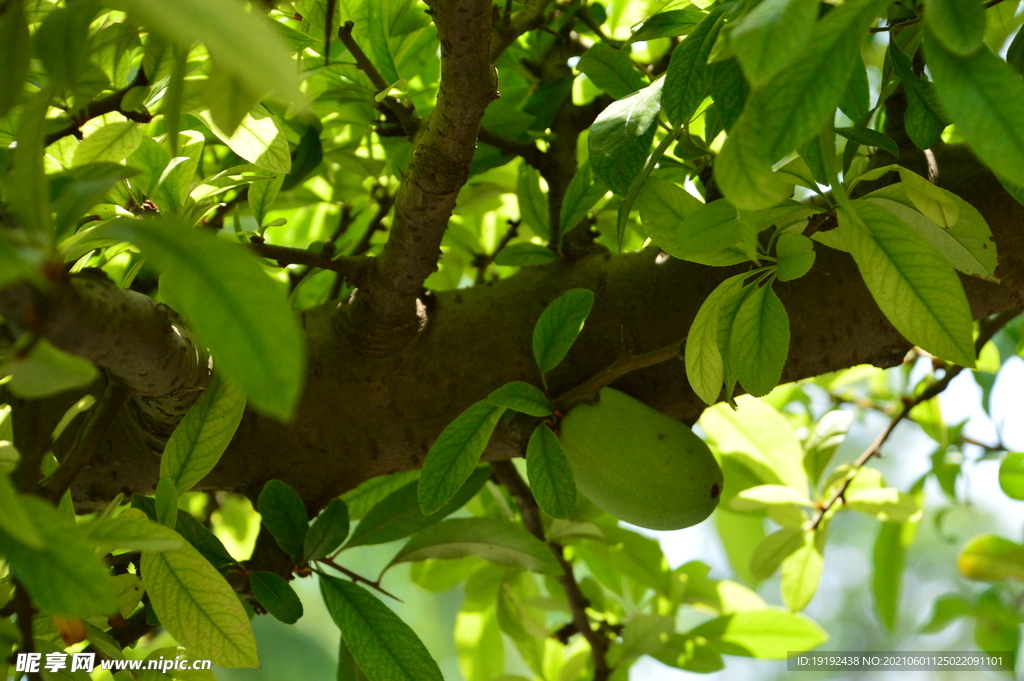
[{"x": 363, "y": 416}]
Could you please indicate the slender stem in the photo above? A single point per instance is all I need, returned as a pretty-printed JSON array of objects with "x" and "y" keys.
[
  {"x": 987, "y": 329},
  {"x": 507, "y": 475},
  {"x": 87, "y": 439},
  {"x": 108, "y": 104},
  {"x": 356, "y": 577},
  {"x": 900, "y": 25},
  {"x": 638, "y": 182},
  {"x": 354, "y": 268}
]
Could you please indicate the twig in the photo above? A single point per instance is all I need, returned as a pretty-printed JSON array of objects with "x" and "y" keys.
[
  {"x": 134, "y": 628},
  {"x": 376, "y": 224},
  {"x": 87, "y": 439},
  {"x": 353, "y": 268},
  {"x": 508, "y": 476},
  {"x": 23, "y": 606},
  {"x": 626, "y": 363},
  {"x": 406, "y": 116},
  {"x": 482, "y": 260},
  {"x": 356, "y": 577},
  {"x": 987, "y": 329},
  {"x": 108, "y": 104},
  {"x": 528, "y": 151},
  {"x": 216, "y": 221}
]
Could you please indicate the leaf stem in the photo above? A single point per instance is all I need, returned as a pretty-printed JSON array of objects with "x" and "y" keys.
[
  {"x": 638, "y": 183},
  {"x": 359, "y": 579}
]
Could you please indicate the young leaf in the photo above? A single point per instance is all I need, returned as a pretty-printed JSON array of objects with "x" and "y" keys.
[
  {"x": 759, "y": 496},
  {"x": 522, "y": 397},
  {"x": 327, "y": 532},
  {"x": 498, "y": 541},
  {"x": 455, "y": 453},
  {"x": 1011, "y": 475},
  {"x": 524, "y": 254},
  {"x": 689, "y": 76},
  {"x": 611, "y": 70},
  {"x": 276, "y": 595},
  {"x": 991, "y": 558},
  {"x": 237, "y": 310},
  {"x": 760, "y": 341},
  {"x": 198, "y": 607},
  {"x": 801, "y": 571},
  {"x": 200, "y": 439},
  {"x": 559, "y": 325},
  {"x": 709, "y": 228},
  {"x": 385, "y": 647},
  {"x": 262, "y": 195},
  {"x": 889, "y": 555},
  {"x": 112, "y": 143},
  {"x": 193, "y": 531},
  {"x": 796, "y": 256},
  {"x": 885, "y": 504},
  {"x": 284, "y": 515},
  {"x": 985, "y": 99},
  {"x": 769, "y": 634},
  {"x": 550, "y": 474},
  {"x": 533, "y": 205},
  {"x": 770, "y": 34},
  {"x": 398, "y": 514},
  {"x": 704, "y": 364},
  {"x": 667, "y": 24},
  {"x": 621, "y": 137},
  {"x": 870, "y": 138},
  {"x": 47, "y": 371},
  {"x": 130, "y": 534},
  {"x": 958, "y": 24},
  {"x": 65, "y": 577},
  {"x": 912, "y": 283},
  {"x": 663, "y": 206},
  {"x": 166, "y": 500}
]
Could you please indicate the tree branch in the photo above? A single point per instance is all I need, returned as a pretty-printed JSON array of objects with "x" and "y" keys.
[
  {"x": 384, "y": 317},
  {"x": 987, "y": 329},
  {"x": 108, "y": 104},
  {"x": 528, "y": 151},
  {"x": 23, "y": 606},
  {"x": 506, "y": 31},
  {"x": 353, "y": 268},
  {"x": 507, "y": 475}
]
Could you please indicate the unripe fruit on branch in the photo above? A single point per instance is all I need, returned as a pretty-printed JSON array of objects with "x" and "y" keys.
[{"x": 640, "y": 465}]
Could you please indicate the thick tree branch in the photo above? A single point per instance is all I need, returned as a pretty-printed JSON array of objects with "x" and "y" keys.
[{"x": 384, "y": 317}]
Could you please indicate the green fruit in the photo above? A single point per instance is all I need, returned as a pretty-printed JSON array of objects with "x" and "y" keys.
[{"x": 640, "y": 465}]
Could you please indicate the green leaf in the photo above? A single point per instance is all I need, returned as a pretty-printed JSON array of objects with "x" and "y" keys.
[
  {"x": 869, "y": 138},
  {"x": 935, "y": 203},
  {"x": 65, "y": 577},
  {"x": 801, "y": 571},
  {"x": 367, "y": 495},
  {"x": 796, "y": 256},
  {"x": 241, "y": 42},
  {"x": 398, "y": 514},
  {"x": 771, "y": 34},
  {"x": 947, "y": 609},
  {"x": 200, "y": 439},
  {"x": 828, "y": 433},
  {"x": 611, "y": 70},
  {"x": 166, "y": 500},
  {"x": 773, "y": 550},
  {"x": 856, "y": 101},
  {"x": 1011, "y": 475},
  {"x": 61, "y": 42},
  {"x": 76, "y": 191},
  {"x": 991, "y": 558},
  {"x": 792, "y": 106},
  {"x": 643, "y": 635},
  {"x": 276, "y": 595},
  {"x": 924, "y": 119},
  {"x": 968, "y": 245},
  {"x": 258, "y": 139},
  {"x": 583, "y": 192},
  {"x": 522, "y": 397},
  {"x": 327, "y": 532},
  {"x": 889, "y": 556},
  {"x": 455, "y": 453},
  {"x": 770, "y": 634},
  {"x": 740, "y": 534},
  {"x": 14, "y": 520},
  {"x": 385, "y": 647},
  {"x": 262, "y": 195},
  {"x": 112, "y": 143},
  {"x": 689, "y": 76},
  {"x": 25, "y": 186},
  {"x": 559, "y": 325},
  {"x": 759, "y": 496},
  {"x": 525, "y": 254},
  {"x": 205, "y": 541},
  {"x": 759, "y": 343},
  {"x": 663, "y": 206},
  {"x": 198, "y": 607},
  {"x": 667, "y": 24},
  {"x": 759, "y": 437},
  {"x": 498, "y": 541},
  {"x": 15, "y": 52},
  {"x": 705, "y": 367},
  {"x": 550, "y": 475},
  {"x": 237, "y": 310},
  {"x": 958, "y": 24},
  {"x": 912, "y": 283},
  {"x": 709, "y": 228},
  {"x": 985, "y": 99},
  {"x": 729, "y": 89},
  {"x": 533, "y": 205},
  {"x": 885, "y": 504},
  {"x": 348, "y": 669},
  {"x": 47, "y": 371},
  {"x": 130, "y": 534},
  {"x": 284, "y": 515},
  {"x": 621, "y": 137}
]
